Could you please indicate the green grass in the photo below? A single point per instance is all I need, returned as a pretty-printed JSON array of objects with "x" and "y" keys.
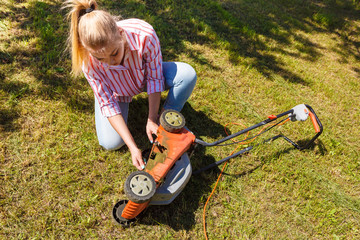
[{"x": 253, "y": 59}]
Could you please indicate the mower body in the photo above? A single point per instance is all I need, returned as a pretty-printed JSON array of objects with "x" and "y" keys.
[
  {"x": 167, "y": 149},
  {"x": 174, "y": 182},
  {"x": 169, "y": 165}
]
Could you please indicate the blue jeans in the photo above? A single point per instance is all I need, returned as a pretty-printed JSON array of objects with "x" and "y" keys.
[{"x": 180, "y": 80}]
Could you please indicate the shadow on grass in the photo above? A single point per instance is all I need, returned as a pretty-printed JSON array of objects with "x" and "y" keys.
[
  {"x": 239, "y": 25},
  {"x": 318, "y": 143},
  {"x": 7, "y": 118},
  {"x": 243, "y": 28},
  {"x": 36, "y": 46}
]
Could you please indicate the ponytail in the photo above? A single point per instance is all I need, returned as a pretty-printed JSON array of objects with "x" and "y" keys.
[{"x": 89, "y": 28}]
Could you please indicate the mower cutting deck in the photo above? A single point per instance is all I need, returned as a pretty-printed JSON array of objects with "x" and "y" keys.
[
  {"x": 168, "y": 167},
  {"x": 167, "y": 159}
]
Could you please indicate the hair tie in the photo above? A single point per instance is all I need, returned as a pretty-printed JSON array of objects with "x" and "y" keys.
[{"x": 89, "y": 10}]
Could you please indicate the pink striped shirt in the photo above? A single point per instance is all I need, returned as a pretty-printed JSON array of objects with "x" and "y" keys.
[{"x": 143, "y": 67}]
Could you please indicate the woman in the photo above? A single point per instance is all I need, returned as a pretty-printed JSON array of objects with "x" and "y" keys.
[{"x": 121, "y": 59}]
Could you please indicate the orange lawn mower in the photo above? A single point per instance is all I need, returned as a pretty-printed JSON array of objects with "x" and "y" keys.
[{"x": 168, "y": 167}]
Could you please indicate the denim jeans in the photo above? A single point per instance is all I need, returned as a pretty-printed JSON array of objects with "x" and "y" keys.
[{"x": 180, "y": 80}]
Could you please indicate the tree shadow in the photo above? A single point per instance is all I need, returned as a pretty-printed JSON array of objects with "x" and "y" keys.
[
  {"x": 32, "y": 49},
  {"x": 357, "y": 70},
  {"x": 232, "y": 22},
  {"x": 239, "y": 25},
  {"x": 7, "y": 119},
  {"x": 41, "y": 27},
  {"x": 9, "y": 111}
]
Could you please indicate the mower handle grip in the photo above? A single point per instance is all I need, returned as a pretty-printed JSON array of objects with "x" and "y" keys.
[{"x": 314, "y": 121}]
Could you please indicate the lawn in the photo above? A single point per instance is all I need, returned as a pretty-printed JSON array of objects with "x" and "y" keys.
[{"x": 253, "y": 58}]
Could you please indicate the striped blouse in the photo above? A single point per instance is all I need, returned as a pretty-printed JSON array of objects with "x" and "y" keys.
[{"x": 142, "y": 69}]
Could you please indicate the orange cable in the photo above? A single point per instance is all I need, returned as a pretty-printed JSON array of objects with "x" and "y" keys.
[
  {"x": 204, "y": 212},
  {"x": 222, "y": 170}
]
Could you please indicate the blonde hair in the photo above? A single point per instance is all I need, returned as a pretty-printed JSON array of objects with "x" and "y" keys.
[{"x": 88, "y": 29}]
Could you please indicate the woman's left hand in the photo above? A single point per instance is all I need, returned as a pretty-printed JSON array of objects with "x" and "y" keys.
[{"x": 151, "y": 128}]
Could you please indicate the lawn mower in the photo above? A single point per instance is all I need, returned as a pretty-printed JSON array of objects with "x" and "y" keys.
[{"x": 168, "y": 167}]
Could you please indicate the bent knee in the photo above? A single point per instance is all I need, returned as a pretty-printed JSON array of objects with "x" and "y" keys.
[
  {"x": 111, "y": 145},
  {"x": 189, "y": 74}
]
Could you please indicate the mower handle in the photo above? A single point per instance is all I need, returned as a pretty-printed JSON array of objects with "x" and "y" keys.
[
  {"x": 271, "y": 118},
  {"x": 317, "y": 125},
  {"x": 315, "y": 120}
]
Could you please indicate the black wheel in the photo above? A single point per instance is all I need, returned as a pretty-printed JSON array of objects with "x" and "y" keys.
[
  {"x": 172, "y": 121},
  {"x": 140, "y": 187},
  {"x": 117, "y": 212}
]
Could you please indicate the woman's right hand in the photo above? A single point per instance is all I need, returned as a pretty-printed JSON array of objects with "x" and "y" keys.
[
  {"x": 119, "y": 124},
  {"x": 136, "y": 157}
]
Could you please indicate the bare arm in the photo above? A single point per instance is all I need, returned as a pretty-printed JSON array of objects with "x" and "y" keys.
[
  {"x": 118, "y": 123},
  {"x": 152, "y": 126}
]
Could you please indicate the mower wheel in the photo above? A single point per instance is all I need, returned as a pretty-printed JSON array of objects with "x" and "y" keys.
[
  {"x": 140, "y": 187},
  {"x": 172, "y": 121},
  {"x": 117, "y": 212}
]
